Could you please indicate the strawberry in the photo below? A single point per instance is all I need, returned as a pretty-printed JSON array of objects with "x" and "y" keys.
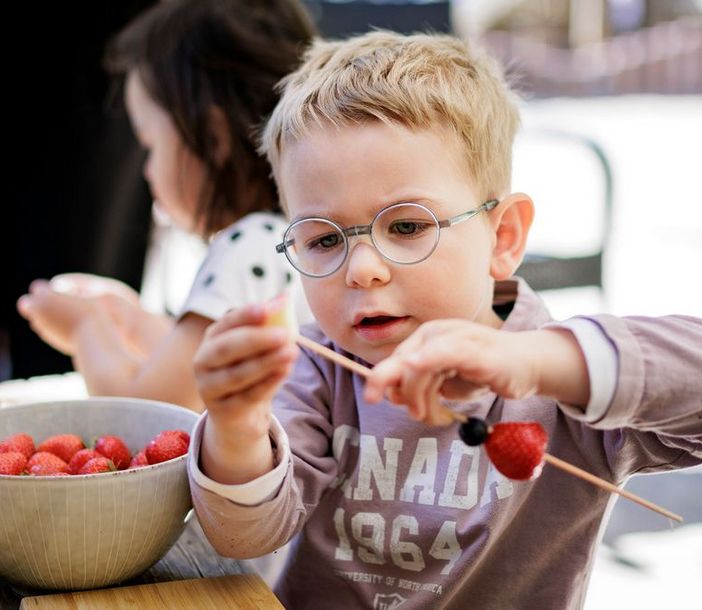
[
  {"x": 115, "y": 449},
  {"x": 43, "y": 463},
  {"x": 179, "y": 433},
  {"x": 517, "y": 449},
  {"x": 62, "y": 445},
  {"x": 20, "y": 442},
  {"x": 139, "y": 460},
  {"x": 80, "y": 458},
  {"x": 166, "y": 446},
  {"x": 96, "y": 465},
  {"x": 12, "y": 462}
]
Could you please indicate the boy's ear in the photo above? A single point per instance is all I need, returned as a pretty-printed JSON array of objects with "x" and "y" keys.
[
  {"x": 511, "y": 221},
  {"x": 218, "y": 131}
]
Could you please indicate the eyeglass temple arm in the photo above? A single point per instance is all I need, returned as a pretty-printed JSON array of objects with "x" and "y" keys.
[{"x": 485, "y": 207}]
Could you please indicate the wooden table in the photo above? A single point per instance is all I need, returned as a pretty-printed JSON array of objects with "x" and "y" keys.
[{"x": 192, "y": 557}]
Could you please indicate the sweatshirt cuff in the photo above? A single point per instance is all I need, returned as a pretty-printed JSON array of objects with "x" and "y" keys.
[
  {"x": 602, "y": 367},
  {"x": 254, "y": 492}
]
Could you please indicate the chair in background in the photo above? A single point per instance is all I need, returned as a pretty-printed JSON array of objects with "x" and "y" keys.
[{"x": 569, "y": 177}]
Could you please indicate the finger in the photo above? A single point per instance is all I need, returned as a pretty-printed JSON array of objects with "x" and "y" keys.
[
  {"x": 389, "y": 372},
  {"x": 240, "y": 316},
  {"x": 461, "y": 389},
  {"x": 437, "y": 414},
  {"x": 395, "y": 395},
  {"x": 25, "y": 306},
  {"x": 259, "y": 393},
  {"x": 39, "y": 285},
  {"x": 238, "y": 344},
  {"x": 214, "y": 384},
  {"x": 384, "y": 376},
  {"x": 437, "y": 356},
  {"x": 417, "y": 389}
]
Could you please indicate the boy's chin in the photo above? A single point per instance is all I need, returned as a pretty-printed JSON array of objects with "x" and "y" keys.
[{"x": 374, "y": 355}]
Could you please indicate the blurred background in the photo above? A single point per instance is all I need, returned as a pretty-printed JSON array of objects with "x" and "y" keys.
[{"x": 609, "y": 150}]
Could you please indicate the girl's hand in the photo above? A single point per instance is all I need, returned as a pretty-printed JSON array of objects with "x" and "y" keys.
[
  {"x": 89, "y": 285},
  {"x": 140, "y": 330},
  {"x": 458, "y": 359},
  {"x": 56, "y": 317}
]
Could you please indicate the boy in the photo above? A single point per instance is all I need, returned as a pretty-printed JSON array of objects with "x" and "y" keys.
[{"x": 392, "y": 158}]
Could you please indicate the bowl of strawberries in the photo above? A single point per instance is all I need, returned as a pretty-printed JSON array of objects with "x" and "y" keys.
[{"x": 94, "y": 491}]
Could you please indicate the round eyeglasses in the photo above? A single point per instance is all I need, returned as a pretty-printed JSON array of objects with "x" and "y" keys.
[{"x": 404, "y": 233}]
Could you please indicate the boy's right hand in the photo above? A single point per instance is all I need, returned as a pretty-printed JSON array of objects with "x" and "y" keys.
[{"x": 240, "y": 365}]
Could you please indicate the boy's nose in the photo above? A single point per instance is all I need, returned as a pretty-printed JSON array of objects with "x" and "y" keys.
[{"x": 365, "y": 266}]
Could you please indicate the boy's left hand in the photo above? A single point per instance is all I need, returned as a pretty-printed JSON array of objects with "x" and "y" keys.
[{"x": 458, "y": 359}]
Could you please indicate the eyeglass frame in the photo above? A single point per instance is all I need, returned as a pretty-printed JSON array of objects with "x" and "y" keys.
[{"x": 356, "y": 230}]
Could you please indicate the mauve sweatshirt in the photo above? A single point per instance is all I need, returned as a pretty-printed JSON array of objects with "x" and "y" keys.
[{"x": 396, "y": 514}]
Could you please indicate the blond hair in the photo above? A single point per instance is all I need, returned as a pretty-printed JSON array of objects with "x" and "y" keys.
[{"x": 421, "y": 81}]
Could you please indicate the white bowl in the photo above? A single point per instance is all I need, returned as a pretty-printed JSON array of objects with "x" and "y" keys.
[{"x": 88, "y": 531}]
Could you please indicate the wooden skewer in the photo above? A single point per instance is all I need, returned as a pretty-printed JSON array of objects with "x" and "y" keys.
[
  {"x": 607, "y": 486},
  {"x": 460, "y": 417},
  {"x": 330, "y": 354}
]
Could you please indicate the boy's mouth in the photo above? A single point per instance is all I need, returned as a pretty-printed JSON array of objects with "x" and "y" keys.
[
  {"x": 378, "y": 328},
  {"x": 376, "y": 320}
]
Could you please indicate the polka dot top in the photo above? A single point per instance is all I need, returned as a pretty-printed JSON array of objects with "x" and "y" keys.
[{"x": 242, "y": 267}]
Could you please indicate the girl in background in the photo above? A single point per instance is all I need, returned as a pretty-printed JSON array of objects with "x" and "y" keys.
[{"x": 199, "y": 79}]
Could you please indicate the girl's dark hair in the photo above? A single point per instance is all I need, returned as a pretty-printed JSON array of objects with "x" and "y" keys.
[{"x": 195, "y": 54}]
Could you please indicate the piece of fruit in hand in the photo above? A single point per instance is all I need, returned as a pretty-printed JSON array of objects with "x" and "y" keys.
[
  {"x": 64, "y": 446},
  {"x": 115, "y": 449},
  {"x": 517, "y": 449},
  {"x": 167, "y": 445},
  {"x": 280, "y": 312},
  {"x": 20, "y": 442},
  {"x": 12, "y": 462},
  {"x": 43, "y": 463}
]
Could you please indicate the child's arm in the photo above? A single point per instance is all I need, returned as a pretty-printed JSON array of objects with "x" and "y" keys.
[
  {"x": 105, "y": 351},
  {"x": 240, "y": 365},
  {"x": 142, "y": 330},
  {"x": 461, "y": 359}
]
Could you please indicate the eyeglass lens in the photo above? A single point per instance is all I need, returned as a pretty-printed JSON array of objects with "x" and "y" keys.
[{"x": 404, "y": 233}]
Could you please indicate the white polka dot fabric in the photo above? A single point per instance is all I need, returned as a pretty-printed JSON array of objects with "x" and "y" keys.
[{"x": 242, "y": 267}]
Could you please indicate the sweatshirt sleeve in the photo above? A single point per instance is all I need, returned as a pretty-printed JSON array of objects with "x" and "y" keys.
[
  {"x": 654, "y": 419},
  {"x": 254, "y": 492},
  {"x": 249, "y": 530}
]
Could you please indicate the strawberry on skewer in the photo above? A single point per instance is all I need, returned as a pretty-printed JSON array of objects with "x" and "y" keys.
[{"x": 517, "y": 450}]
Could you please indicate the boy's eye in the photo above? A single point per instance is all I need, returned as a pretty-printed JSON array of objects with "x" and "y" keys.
[
  {"x": 407, "y": 227},
  {"x": 324, "y": 242}
]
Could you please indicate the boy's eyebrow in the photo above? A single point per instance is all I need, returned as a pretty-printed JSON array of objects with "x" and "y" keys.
[{"x": 372, "y": 210}]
